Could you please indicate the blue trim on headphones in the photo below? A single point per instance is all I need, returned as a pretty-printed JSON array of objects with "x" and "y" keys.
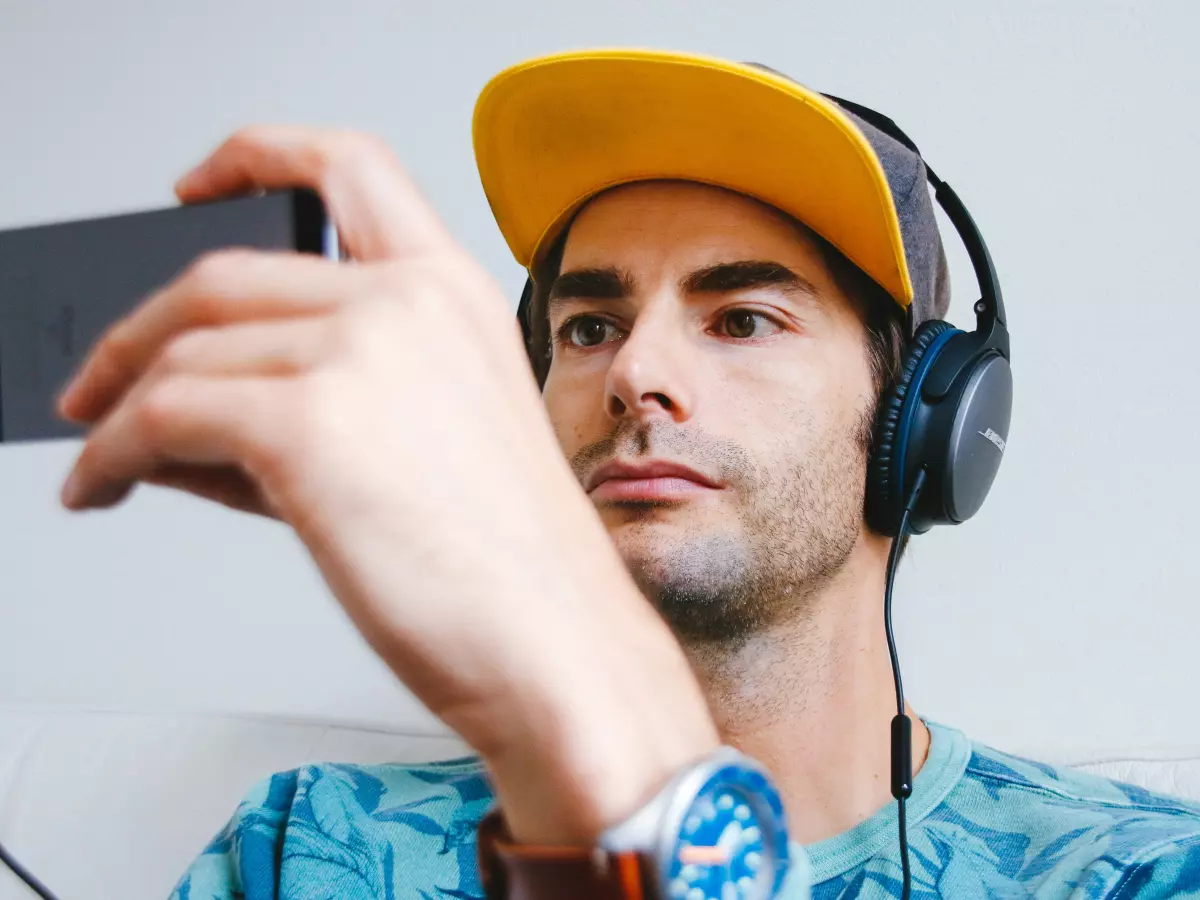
[{"x": 910, "y": 409}]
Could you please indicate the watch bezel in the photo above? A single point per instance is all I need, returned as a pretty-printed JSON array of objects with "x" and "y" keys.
[{"x": 654, "y": 830}]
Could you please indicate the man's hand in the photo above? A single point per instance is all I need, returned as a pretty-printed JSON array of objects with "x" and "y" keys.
[{"x": 386, "y": 411}]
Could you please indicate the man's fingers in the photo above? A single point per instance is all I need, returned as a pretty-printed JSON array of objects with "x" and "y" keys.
[
  {"x": 377, "y": 208},
  {"x": 223, "y": 288},
  {"x": 188, "y": 420},
  {"x": 226, "y": 485},
  {"x": 262, "y": 348}
]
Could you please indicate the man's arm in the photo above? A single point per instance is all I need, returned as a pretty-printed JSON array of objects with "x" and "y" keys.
[{"x": 387, "y": 412}]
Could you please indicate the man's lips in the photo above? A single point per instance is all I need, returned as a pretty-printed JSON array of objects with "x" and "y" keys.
[{"x": 647, "y": 480}]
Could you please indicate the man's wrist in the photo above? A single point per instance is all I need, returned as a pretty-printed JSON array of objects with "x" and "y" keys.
[
  {"x": 561, "y": 801},
  {"x": 577, "y": 761},
  {"x": 596, "y": 706}
]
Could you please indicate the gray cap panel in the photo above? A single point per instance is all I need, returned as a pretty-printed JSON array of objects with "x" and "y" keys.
[{"x": 923, "y": 250}]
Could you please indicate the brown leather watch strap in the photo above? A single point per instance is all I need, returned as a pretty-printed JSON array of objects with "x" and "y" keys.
[{"x": 512, "y": 871}]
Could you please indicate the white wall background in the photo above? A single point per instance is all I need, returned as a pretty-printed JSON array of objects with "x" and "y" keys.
[{"x": 1065, "y": 614}]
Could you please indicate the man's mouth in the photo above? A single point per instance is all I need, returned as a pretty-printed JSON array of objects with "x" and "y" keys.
[{"x": 648, "y": 480}]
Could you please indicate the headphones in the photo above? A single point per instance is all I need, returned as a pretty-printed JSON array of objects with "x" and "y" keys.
[{"x": 941, "y": 429}]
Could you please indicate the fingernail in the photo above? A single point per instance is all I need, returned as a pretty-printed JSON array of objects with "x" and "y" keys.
[
  {"x": 71, "y": 498},
  {"x": 188, "y": 181},
  {"x": 75, "y": 498},
  {"x": 66, "y": 400}
]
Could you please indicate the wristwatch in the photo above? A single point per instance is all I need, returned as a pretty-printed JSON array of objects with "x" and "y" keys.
[{"x": 716, "y": 831}]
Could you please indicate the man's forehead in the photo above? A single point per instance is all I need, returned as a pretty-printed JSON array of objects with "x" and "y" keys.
[
  {"x": 682, "y": 220},
  {"x": 669, "y": 228}
]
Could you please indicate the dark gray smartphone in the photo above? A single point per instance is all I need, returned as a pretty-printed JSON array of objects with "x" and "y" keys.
[{"x": 62, "y": 285}]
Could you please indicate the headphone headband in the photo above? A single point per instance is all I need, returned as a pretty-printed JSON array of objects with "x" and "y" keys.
[{"x": 991, "y": 299}]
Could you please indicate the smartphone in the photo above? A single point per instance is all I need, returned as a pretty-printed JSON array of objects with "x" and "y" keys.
[{"x": 62, "y": 285}]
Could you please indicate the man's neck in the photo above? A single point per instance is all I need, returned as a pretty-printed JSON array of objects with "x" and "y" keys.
[{"x": 812, "y": 698}]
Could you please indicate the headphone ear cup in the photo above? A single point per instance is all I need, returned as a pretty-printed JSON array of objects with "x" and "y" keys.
[{"x": 885, "y": 501}]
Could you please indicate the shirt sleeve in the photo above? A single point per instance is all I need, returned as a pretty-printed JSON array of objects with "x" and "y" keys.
[
  {"x": 242, "y": 860},
  {"x": 1172, "y": 871},
  {"x": 345, "y": 831}
]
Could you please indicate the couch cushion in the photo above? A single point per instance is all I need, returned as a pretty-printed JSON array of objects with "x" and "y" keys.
[{"x": 1180, "y": 777}]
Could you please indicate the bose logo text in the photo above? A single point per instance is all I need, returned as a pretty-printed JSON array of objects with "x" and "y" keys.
[{"x": 994, "y": 438}]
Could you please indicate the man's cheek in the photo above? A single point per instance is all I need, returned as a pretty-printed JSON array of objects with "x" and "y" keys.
[
  {"x": 579, "y": 433},
  {"x": 564, "y": 419}
]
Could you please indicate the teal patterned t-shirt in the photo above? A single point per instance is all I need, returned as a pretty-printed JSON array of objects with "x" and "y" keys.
[{"x": 981, "y": 824}]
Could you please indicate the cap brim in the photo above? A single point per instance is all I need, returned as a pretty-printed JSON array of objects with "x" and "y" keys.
[{"x": 553, "y": 132}]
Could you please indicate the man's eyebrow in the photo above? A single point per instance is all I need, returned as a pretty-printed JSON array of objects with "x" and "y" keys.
[
  {"x": 607, "y": 283},
  {"x": 747, "y": 274},
  {"x": 611, "y": 283}
]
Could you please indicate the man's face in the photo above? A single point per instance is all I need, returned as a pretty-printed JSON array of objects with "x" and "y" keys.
[{"x": 711, "y": 388}]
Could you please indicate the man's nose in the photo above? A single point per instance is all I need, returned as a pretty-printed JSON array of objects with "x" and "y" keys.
[{"x": 651, "y": 375}]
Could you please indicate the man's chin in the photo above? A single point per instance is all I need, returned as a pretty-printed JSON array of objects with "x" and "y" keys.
[
  {"x": 667, "y": 551},
  {"x": 700, "y": 584}
]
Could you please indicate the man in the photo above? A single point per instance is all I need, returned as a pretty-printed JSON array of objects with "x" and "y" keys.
[{"x": 710, "y": 367}]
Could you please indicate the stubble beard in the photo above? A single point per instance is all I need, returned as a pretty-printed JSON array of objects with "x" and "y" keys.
[{"x": 793, "y": 525}]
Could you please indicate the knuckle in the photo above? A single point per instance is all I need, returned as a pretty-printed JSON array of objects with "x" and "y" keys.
[
  {"x": 246, "y": 139},
  {"x": 213, "y": 272},
  {"x": 340, "y": 152},
  {"x": 351, "y": 330},
  {"x": 212, "y": 280},
  {"x": 176, "y": 354},
  {"x": 357, "y": 146},
  {"x": 158, "y": 408},
  {"x": 118, "y": 344},
  {"x": 169, "y": 361}
]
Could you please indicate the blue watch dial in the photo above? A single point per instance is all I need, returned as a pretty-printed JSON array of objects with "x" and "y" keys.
[{"x": 732, "y": 841}]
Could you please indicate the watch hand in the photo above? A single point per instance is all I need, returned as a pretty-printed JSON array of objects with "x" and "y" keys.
[{"x": 703, "y": 856}]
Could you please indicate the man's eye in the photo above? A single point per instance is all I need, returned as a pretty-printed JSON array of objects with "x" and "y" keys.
[
  {"x": 745, "y": 323},
  {"x": 587, "y": 331}
]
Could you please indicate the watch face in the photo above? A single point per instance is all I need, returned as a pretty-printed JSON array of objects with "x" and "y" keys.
[{"x": 732, "y": 842}]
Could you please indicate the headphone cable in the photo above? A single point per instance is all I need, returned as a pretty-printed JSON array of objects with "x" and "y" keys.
[
  {"x": 901, "y": 724},
  {"x": 25, "y": 875}
]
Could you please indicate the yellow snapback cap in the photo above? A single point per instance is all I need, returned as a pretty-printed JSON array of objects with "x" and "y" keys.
[{"x": 553, "y": 132}]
